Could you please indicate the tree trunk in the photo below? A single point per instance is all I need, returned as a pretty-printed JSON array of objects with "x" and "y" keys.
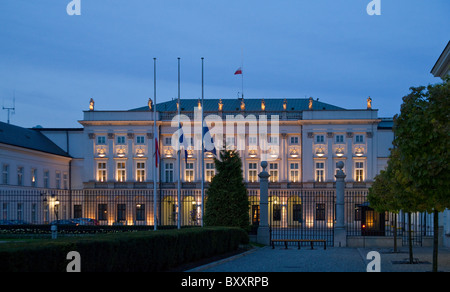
[
  {"x": 395, "y": 232},
  {"x": 435, "y": 240},
  {"x": 411, "y": 258}
]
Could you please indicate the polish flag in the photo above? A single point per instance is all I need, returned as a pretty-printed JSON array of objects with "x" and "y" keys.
[{"x": 238, "y": 71}]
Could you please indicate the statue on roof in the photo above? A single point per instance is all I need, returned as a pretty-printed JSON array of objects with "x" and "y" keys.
[
  {"x": 284, "y": 104},
  {"x": 91, "y": 104},
  {"x": 150, "y": 104},
  {"x": 310, "y": 103},
  {"x": 369, "y": 103},
  {"x": 220, "y": 105}
]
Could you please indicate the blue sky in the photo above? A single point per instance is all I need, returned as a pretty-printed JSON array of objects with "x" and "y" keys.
[{"x": 327, "y": 49}]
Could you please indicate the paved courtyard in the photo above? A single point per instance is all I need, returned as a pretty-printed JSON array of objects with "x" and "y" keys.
[{"x": 266, "y": 259}]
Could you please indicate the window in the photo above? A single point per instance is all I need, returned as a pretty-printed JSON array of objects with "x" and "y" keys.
[
  {"x": 297, "y": 213},
  {"x": 320, "y": 139},
  {"x": 357, "y": 212},
  {"x": 101, "y": 140},
  {"x": 169, "y": 172},
  {"x": 320, "y": 170},
  {"x": 65, "y": 181},
  {"x": 20, "y": 176},
  {"x": 320, "y": 212},
  {"x": 5, "y": 174},
  {"x": 273, "y": 140},
  {"x": 121, "y": 172},
  {"x": 294, "y": 140},
  {"x": 210, "y": 171},
  {"x": 189, "y": 173},
  {"x": 339, "y": 139},
  {"x": 121, "y": 212},
  {"x": 252, "y": 172},
  {"x": 276, "y": 208},
  {"x": 294, "y": 172},
  {"x": 140, "y": 139},
  {"x": 168, "y": 141},
  {"x": 120, "y": 140},
  {"x": 102, "y": 212},
  {"x": 19, "y": 211},
  {"x": 273, "y": 171},
  {"x": 140, "y": 171},
  {"x": 5, "y": 211},
  {"x": 101, "y": 172},
  {"x": 33, "y": 177},
  {"x": 58, "y": 179},
  {"x": 46, "y": 179},
  {"x": 359, "y": 138},
  {"x": 230, "y": 142},
  {"x": 359, "y": 171},
  {"x": 77, "y": 211},
  {"x": 252, "y": 140},
  {"x": 140, "y": 212},
  {"x": 34, "y": 213}
]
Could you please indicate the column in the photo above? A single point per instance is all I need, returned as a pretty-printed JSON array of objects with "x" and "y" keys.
[
  {"x": 263, "y": 234},
  {"x": 340, "y": 232}
]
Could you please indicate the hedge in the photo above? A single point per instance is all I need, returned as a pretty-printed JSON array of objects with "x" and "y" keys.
[{"x": 144, "y": 251}]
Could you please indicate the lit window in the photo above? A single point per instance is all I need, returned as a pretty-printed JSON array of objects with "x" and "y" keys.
[
  {"x": 294, "y": 172},
  {"x": 273, "y": 171},
  {"x": 169, "y": 172},
  {"x": 210, "y": 171},
  {"x": 33, "y": 177},
  {"x": 189, "y": 173},
  {"x": 320, "y": 171},
  {"x": 359, "y": 171},
  {"x": 252, "y": 172},
  {"x": 121, "y": 172},
  {"x": 140, "y": 171},
  {"x": 101, "y": 172}
]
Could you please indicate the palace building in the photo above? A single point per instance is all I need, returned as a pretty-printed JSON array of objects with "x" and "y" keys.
[{"x": 104, "y": 170}]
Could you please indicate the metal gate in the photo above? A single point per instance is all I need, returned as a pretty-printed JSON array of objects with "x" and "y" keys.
[{"x": 302, "y": 214}]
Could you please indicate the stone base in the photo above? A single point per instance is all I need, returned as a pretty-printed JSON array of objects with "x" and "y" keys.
[
  {"x": 263, "y": 235},
  {"x": 340, "y": 237}
]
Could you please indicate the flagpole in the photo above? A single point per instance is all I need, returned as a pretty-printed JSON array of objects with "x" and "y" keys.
[
  {"x": 242, "y": 68},
  {"x": 179, "y": 154},
  {"x": 202, "y": 153},
  {"x": 156, "y": 150}
]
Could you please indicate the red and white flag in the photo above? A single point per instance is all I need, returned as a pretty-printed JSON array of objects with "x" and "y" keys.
[
  {"x": 156, "y": 152},
  {"x": 238, "y": 71}
]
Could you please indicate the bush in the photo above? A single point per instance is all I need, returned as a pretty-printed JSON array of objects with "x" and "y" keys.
[{"x": 146, "y": 251}]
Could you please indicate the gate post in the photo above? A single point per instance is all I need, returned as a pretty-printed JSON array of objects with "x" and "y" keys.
[
  {"x": 263, "y": 233},
  {"x": 340, "y": 232}
]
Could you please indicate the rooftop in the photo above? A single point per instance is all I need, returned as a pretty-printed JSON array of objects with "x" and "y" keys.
[{"x": 29, "y": 139}]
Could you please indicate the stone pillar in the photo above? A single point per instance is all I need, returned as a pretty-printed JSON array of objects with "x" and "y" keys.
[
  {"x": 263, "y": 234},
  {"x": 340, "y": 232}
]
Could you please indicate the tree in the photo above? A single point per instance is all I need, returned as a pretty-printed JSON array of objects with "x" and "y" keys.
[
  {"x": 227, "y": 203},
  {"x": 422, "y": 137}
]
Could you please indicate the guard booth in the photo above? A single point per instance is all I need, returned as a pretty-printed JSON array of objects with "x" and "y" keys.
[{"x": 372, "y": 222}]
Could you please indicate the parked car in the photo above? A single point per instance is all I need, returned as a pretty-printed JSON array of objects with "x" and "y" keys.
[
  {"x": 86, "y": 221},
  {"x": 64, "y": 222},
  {"x": 6, "y": 222}
]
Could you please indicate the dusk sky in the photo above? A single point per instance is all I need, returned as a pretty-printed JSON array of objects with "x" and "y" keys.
[{"x": 328, "y": 49}]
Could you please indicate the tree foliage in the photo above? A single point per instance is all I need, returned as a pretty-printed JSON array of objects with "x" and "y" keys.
[{"x": 227, "y": 203}]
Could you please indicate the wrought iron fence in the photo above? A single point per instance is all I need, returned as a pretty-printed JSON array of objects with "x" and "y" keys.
[{"x": 293, "y": 213}]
